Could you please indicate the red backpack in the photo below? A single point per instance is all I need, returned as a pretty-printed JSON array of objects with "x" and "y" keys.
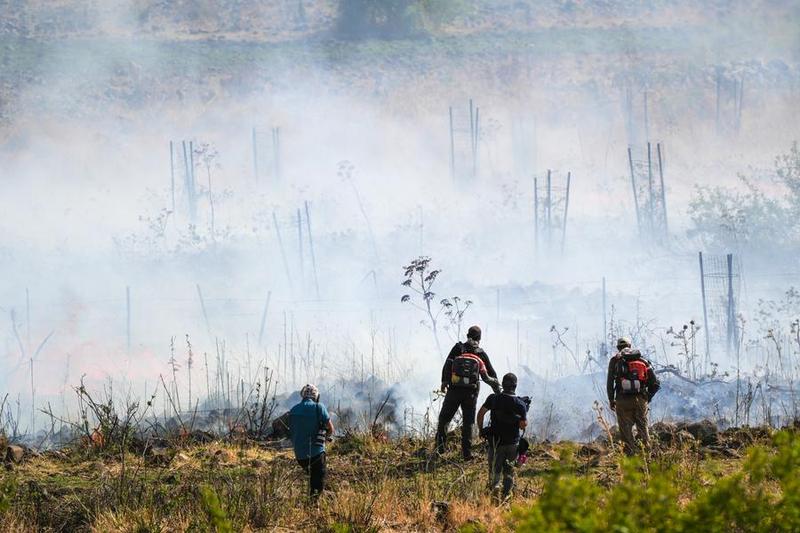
[{"x": 632, "y": 375}]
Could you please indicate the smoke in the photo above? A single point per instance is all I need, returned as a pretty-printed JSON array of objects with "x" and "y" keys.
[{"x": 93, "y": 251}]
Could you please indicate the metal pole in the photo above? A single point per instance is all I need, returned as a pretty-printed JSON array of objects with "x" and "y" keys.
[
  {"x": 635, "y": 195},
  {"x": 739, "y": 107},
  {"x": 566, "y": 212},
  {"x": 264, "y": 319},
  {"x": 300, "y": 248},
  {"x": 471, "y": 126},
  {"x": 605, "y": 321},
  {"x": 311, "y": 249},
  {"x": 191, "y": 170},
  {"x": 283, "y": 252},
  {"x": 549, "y": 211},
  {"x": 187, "y": 176},
  {"x": 276, "y": 152},
  {"x": 475, "y": 143},
  {"x": 205, "y": 314},
  {"x": 705, "y": 307},
  {"x": 663, "y": 191},
  {"x": 731, "y": 305}
]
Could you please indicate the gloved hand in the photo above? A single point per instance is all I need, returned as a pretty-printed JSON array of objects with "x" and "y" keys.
[
  {"x": 612, "y": 405},
  {"x": 444, "y": 386}
]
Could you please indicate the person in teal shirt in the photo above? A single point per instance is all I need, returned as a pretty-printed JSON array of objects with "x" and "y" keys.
[{"x": 310, "y": 427}]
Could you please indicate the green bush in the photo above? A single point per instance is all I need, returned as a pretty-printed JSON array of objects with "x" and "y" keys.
[
  {"x": 756, "y": 219},
  {"x": 8, "y": 488},
  {"x": 212, "y": 505},
  {"x": 763, "y": 496}
]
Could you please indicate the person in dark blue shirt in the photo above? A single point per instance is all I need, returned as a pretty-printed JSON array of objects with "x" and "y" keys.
[
  {"x": 310, "y": 426},
  {"x": 508, "y": 418}
]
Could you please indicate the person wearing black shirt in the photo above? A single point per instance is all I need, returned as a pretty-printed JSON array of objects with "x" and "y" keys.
[
  {"x": 508, "y": 417},
  {"x": 463, "y": 369}
]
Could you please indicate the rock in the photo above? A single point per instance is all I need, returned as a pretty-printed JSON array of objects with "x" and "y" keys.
[
  {"x": 590, "y": 450},
  {"x": 156, "y": 455},
  {"x": 671, "y": 434},
  {"x": 280, "y": 426},
  {"x": 664, "y": 432},
  {"x": 14, "y": 454},
  {"x": 705, "y": 431}
]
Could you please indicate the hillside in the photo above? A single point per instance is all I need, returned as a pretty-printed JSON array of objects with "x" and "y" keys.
[{"x": 63, "y": 58}]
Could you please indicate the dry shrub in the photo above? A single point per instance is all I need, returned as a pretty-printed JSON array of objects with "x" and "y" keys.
[{"x": 477, "y": 515}]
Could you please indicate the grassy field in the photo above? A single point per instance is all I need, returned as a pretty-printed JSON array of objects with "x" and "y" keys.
[{"x": 384, "y": 485}]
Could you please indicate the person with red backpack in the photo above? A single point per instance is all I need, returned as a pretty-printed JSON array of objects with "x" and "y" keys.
[
  {"x": 465, "y": 367},
  {"x": 630, "y": 385}
]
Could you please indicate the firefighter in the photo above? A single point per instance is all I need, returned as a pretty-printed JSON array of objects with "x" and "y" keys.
[
  {"x": 631, "y": 384},
  {"x": 465, "y": 366}
]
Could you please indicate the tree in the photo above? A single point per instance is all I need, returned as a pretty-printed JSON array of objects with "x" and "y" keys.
[
  {"x": 751, "y": 221},
  {"x": 393, "y": 19}
]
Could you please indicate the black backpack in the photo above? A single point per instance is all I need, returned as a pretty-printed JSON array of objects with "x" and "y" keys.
[
  {"x": 466, "y": 370},
  {"x": 504, "y": 411}
]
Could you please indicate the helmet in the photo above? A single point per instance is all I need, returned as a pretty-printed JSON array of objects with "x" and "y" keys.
[
  {"x": 310, "y": 391},
  {"x": 623, "y": 342}
]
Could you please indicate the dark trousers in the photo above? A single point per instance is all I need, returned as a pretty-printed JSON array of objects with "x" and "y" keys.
[
  {"x": 466, "y": 399},
  {"x": 502, "y": 460},
  {"x": 315, "y": 468}
]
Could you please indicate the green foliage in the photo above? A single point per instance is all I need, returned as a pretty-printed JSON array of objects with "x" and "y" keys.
[
  {"x": 392, "y": 19},
  {"x": 473, "y": 527},
  {"x": 750, "y": 220},
  {"x": 8, "y": 488},
  {"x": 763, "y": 496},
  {"x": 216, "y": 513}
]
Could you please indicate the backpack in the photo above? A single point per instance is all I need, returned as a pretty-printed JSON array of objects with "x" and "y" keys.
[
  {"x": 504, "y": 411},
  {"x": 632, "y": 375},
  {"x": 466, "y": 370}
]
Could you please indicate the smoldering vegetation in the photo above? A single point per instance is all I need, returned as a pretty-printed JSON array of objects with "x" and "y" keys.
[{"x": 204, "y": 210}]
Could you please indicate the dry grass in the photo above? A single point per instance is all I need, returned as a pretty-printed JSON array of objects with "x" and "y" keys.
[{"x": 374, "y": 486}]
